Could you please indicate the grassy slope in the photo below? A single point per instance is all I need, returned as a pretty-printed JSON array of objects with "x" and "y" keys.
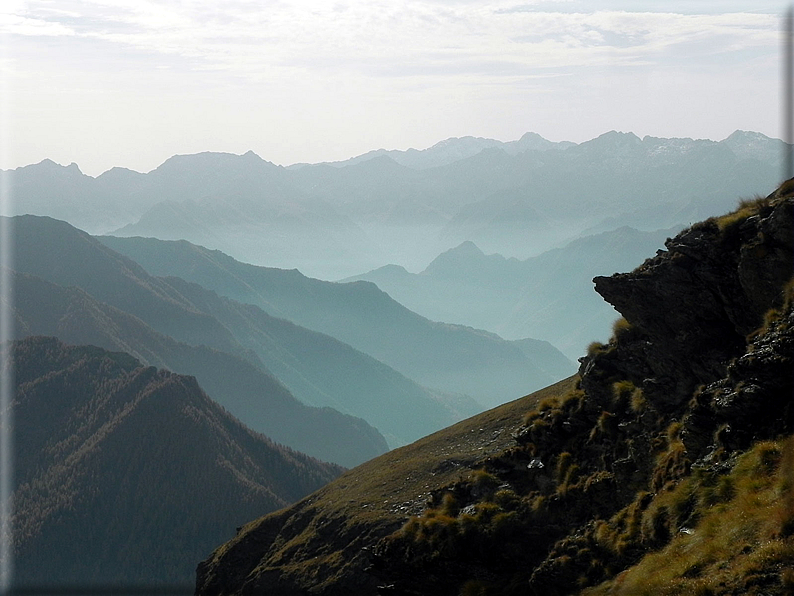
[
  {"x": 327, "y": 531},
  {"x": 743, "y": 542}
]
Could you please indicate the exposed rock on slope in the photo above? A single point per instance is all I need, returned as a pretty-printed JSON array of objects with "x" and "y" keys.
[
  {"x": 679, "y": 422},
  {"x": 697, "y": 302}
]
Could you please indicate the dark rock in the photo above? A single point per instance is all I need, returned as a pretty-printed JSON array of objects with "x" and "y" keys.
[{"x": 696, "y": 303}]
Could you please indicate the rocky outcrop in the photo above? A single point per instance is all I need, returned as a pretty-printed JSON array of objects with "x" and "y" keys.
[
  {"x": 753, "y": 401},
  {"x": 694, "y": 304}
]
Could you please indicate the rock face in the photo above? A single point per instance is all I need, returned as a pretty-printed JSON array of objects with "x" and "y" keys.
[
  {"x": 697, "y": 374},
  {"x": 695, "y": 303}
]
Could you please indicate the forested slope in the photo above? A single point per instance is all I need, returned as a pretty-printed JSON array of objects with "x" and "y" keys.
[{"x": 127, "y": 475}]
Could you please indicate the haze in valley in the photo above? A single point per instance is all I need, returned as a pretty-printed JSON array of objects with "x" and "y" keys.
[{"x": 245, "y": 247}]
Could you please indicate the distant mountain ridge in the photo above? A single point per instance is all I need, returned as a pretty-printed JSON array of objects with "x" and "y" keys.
[
  {"x": 447, "y": 358},
  {"x": 318, "y": 369},
  {"x": 242, "y": 388},
  {"x": 451, "y": 150},
  {"x": 548, "y": 297},
  {"x": 333, "y": 222}
]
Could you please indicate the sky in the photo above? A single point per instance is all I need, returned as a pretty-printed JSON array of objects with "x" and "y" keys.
[{"x": 129, "y": 83}]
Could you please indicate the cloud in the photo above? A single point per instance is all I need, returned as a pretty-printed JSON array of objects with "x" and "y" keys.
[
  {"x": 386, "y": 38},
  {"x": 18, "y": 25}
]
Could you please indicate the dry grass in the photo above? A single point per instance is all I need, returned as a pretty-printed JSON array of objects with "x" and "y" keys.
[
  {"x": 596, "y": 347},
  {"x": 380, "y": 496},
  {"x": 742, "y": 542},
  {"x": 621, "y": 327},
  {"x": 746, "y": 208}
]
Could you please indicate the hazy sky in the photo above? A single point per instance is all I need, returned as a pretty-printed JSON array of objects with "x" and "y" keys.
[{"x": 132, "y": 82}]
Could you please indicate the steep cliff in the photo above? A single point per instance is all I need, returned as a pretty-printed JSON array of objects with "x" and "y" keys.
[{"x": 674, "y": 439}]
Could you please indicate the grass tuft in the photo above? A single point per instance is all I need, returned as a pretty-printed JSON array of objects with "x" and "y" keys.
[
  {"x": 746, "y": 208},
  {"x": 621, "y": 327},
  {"x": 595, "y": 348}
]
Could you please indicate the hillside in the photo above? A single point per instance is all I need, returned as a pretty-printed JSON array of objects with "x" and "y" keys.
[
  {"x": 246, "y": 391},
  {"x": 450, "y": 359},
  {"x": 126, "y": 475},
  {"x": 663, "y": 468},
  {"x": 323, "y": 544},
  {"x": 317, "y": 369}
]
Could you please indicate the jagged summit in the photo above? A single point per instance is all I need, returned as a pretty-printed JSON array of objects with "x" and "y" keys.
[
  {"x": 50, "y": 167},
  {"x": 754, "y": 145},
  {"x": 746, "y": 135},
  {"x": 467, "y": 141},
  {"x": 213, "y": 160},
  {"x": 614, "y": 141}
]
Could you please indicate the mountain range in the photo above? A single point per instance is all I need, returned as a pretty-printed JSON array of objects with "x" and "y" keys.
[
  {"x": 75, "y": 479},
  {"x": 246, "y": 390},
  {"x": 451, "y": 359},
  {"x": 332, "y": 222},
  {"x": 453, "y": 149},
  {"x": 316, "y": 368},
  {"x": 664, "y": 467},
  {"x": 163, "y": 386}
]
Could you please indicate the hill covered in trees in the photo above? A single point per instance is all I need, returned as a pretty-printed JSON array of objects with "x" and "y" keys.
[{"x": 126, "y": 475}]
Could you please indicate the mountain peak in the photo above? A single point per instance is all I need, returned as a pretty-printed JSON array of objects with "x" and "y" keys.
[
  {"x": 615, "y": 143},
  {"x": 753, "y": 145},
  {"x": 531, "y": 136},
  {"x": 51, "y": 165},
  {"x": 467, "y": 140},
  {"x": 747, "y": 135},
  {"x": 467, "y": 247},
  {"x": 457, "y": 259},
  {"x": 619, "y": 136}
]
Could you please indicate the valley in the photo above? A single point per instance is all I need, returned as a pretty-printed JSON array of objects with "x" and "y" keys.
[{"x": 663, "y": 467}]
